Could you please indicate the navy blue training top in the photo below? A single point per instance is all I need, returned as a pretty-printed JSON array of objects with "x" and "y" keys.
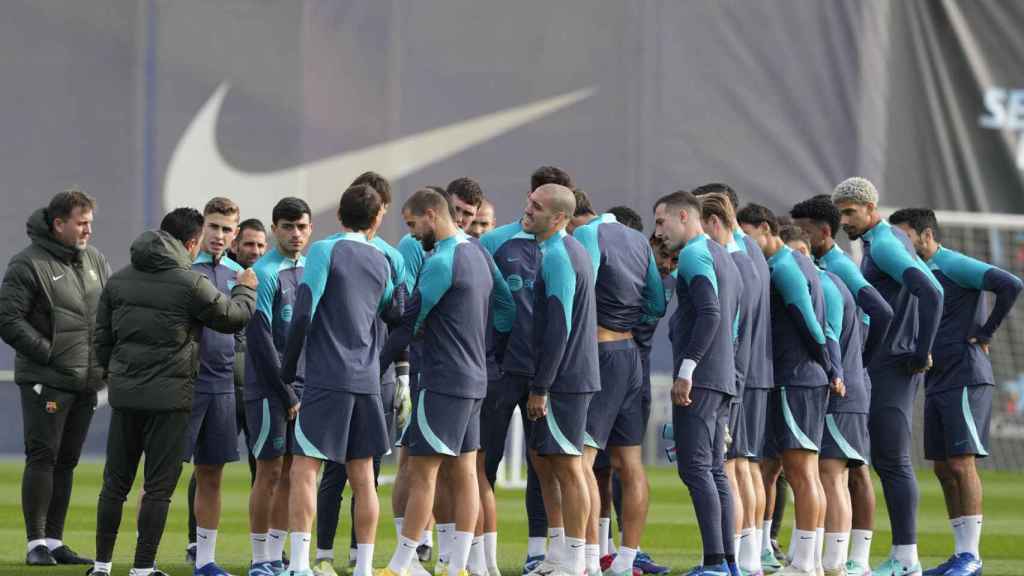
[
  {"x": 267, "y": 332},
  {"x": 798, "y": 322},
  {"x": 845, "y": 328},
  {"x": 216, "y": 350},
  {"x": 760, "y": 373},
  {"x": 875, "y": 311},
  {"x": 517, "y": 257},
  {"x": 750, "y": 298}
]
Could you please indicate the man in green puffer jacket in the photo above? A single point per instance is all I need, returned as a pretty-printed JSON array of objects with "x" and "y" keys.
[
  {"x": 47, "y": 314},
  {"x": 150, "y": 318}
]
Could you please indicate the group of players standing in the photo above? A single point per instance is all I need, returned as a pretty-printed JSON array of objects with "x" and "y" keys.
[{"x": 788, "y": 359}]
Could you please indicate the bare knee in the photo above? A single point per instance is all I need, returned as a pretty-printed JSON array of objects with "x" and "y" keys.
[{"x": 961, "y": 467}]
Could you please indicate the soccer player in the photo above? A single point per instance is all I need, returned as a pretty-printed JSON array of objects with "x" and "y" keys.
[
  {"x": 346, "y": 286},
  {"x": 213, "y": 428},
  {"x": 820, "y": 218},
  {"x": 718, "y": 219},
  {"x": 332, "y": 483},
  {"x": 708, "y": 289},
  {"x": 517, "y": 256},
  {"x": 959, "y": 387},
  {"x": 759, "y": 381},
  {"x": 465, "y": 198},
  {"x": 803, "y": 374},
  {"x": 448, "y": 311},
  {"x": 629, "y": 292},
  {"x": 250, "y": 244},
  {"x": 271, "y": 404},
  {"x": 148, "y": 317},
  {"x": 484, "y": 220},
  {"x": 898, "y": 369}
]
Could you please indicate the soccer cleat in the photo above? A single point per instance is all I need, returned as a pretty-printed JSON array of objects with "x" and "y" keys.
[
  {"x": 298, "y": 573},
  {"x": 769, "y": 563},
  {"x": 734, "y": 569},
  {"x": 262, "y": 569},
  {"x": 532, "y": 562},
  {"x": 722, "y": 570},
  {"x": 966, "y": 564},
  {"x": 839, "y": 571},
  {"x": 440, "y": 568},
  {"x": 417, "y": 569},
  {"x": 322, "y": 567},
  {"x": 794, "y": 571},
  {"x": 278, "y": 566},
  {"x": 40, "y": 556},
  {"x": 424, "y": 552},
  {"x": 893, "y": 567},
  {"x": 647, "y": 565},
  {"x": 545, "y": 568},
  {"x": 65, "y": 555},
  {"x": 210, "y": 569},
  {"x": 91, "y": 572},
  {"x": 939, "y": 570},
  {"x": 388, "y": 572},
  {"x": 854, "y": 568},
  {"x": 190, "y": 554},
  {"x": 608, "y": 572}
]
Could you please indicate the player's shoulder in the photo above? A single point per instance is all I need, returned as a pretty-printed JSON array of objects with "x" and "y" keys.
[{"x": 495, "y": 239}]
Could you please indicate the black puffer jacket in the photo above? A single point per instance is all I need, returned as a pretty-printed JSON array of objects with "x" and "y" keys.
[
  {"x": 150, "y": 318},
  {"x": 48, "y": 310}
]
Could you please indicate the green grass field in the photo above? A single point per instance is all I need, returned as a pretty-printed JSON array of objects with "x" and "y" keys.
[{"x": 671, "y": 534}]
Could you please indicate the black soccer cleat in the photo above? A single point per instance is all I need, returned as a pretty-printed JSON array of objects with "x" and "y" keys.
[
  {"x": 40, "y": 556},
  {"x": 65, "y": 555}
]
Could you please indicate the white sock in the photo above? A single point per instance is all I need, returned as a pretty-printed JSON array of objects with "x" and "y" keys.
[
  {"x": 624, "y": 560},
  {"x": 444, "y": 541},
  {"x": 427, "y": 539},
  {"x": 972, "y": 535},
  {"x": 611, "y": 544},
  {"x": 398, "y": 528},
  {"x": 957, "y": 524},
  {"x": 491, "y": 549},
  {"x": 405, "y": 551},
  {"x": 536, "y": 546},
  {"x": 604, "y": 528},
  {"x": 299, "y": 559},
  {"x": 835, "y": 545},
  {"x": 458, "y": 555},
  {"x": 206, "y": 546},
  {"x": 819, "y": 546},
  {"x": 33, "y": 543},
  {"x": 766, "y": 535},
  {"x": 906, "y": 554},
  {"x": 860, "y": 546},
  {"x": 593, "y": 558},
  {"x": 53, "y": 544},
  {"x": 322, "y": 554},
  {"x": 103, "y": 567},
  {"x": 749, "y": 553},
  {"x": 275, "y": 543},
  {"x": 260, "y": 553},
  {"x": 576, "y": 555},
  {"x": 792, "y": 542},
  {"x": 364, "y": 560},
  {"x": 803, "y": 549},
  {"x": 352, "y": 554},
  {"x": 477, "y": 558},
  {"x": 736, "y": 546},
  {"x": 556, "y": 546},
  {"x": 141, "y": 571}
]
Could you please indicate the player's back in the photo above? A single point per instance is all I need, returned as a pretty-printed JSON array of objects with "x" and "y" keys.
[
  {"x": 347, "y": 284},
  {"x": 454, "y": 293},
  {"x": 760, "y": 374},
  {"x": 747, "y": 305},
  {"x": 517, "y": 257},
  {"x": 565, "y": 318},
  {"x": 627, "y": 283},
  {"x": 851, "y": 342},
  {"x": 795, "y": 284},
  {"x": 705, "y": 261}
]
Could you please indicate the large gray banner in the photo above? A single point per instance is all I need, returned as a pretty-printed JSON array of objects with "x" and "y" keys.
[{"x": 153, "y": 104}]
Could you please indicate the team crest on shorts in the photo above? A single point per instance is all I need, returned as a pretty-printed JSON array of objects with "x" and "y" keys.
[
  {"x": 279, "y": 442},
  {"x": 51, "y": 407}
]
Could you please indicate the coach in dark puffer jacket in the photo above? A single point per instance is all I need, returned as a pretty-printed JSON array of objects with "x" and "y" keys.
[
  {"x": 47, "y": 314},
  {"x": 150, "y": 318}
]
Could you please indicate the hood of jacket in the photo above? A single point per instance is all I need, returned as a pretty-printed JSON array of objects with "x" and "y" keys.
[
  {"x": 156, "y": 250},
  {"x": 38, "y": 230}
]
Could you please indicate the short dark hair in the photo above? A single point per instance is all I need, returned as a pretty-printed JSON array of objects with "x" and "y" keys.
[
  {"x": 184, "y": 224},
  {"x": 466, "y": 189},
  {"x": 290, "y": 209},
  {"x": 919, "y": 219},
  {"x": 793, "y": 233},
  {"x": 680, "y": 199},
  {"x": 627, "y": 217},
  {"x": 426, "y": 199},
  {"x": 222, "y": 205},
  {"x": 550, "y": 175},
  {"x": 718, "y": 188},
  {"x": 358, "y": 207},
  {"x": 583, "y": 206},
  {"x": 64, "y": 203},
  {"x": 820, "y": 210},
  {"x": 755, "y": 214},
  {"x": 375, "y": 181},
  {"x": 251, "y": 224}
]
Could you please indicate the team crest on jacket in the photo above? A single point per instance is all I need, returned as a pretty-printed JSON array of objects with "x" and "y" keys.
[{"x": 51, "y": 407}]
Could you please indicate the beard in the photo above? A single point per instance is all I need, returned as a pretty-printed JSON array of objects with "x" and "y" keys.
[
  {"x": 852, "y": 232},
  {"x": 428, "y": 241}
]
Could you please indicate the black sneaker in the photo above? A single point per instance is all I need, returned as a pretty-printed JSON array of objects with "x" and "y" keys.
[
  {"x": 65, "y": 555},
  {"x": 40, "y": 556},
  {"x": 424, "y": 553},
  {"x": 91, "y": 572},
  {"x": 190, "y": 554}
]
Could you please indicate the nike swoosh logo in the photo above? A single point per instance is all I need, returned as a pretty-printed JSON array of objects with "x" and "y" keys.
[
  {"x": 55, "y": 278},
  {"x": 513, "y": 259},
  {"x": 197, "y": 165},
  {"x": 285, "y": 291}
]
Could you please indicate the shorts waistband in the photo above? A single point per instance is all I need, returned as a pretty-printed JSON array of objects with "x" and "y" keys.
[{"x": 627, "y": 344}]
